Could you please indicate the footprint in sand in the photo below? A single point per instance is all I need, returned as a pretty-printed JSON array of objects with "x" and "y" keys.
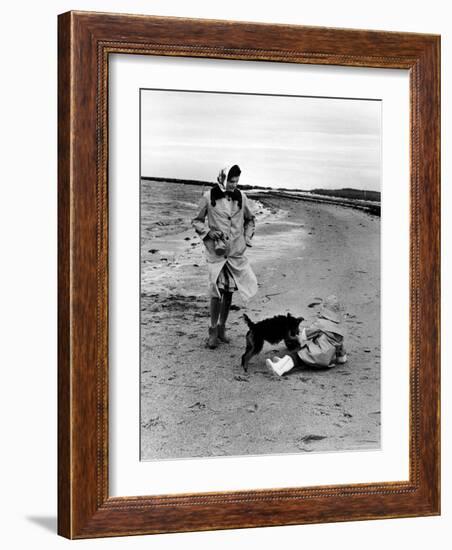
[
  {"x": 197, "y": 405},
  {"x": 310, "y": 438},
  {"x": 152, "y": 422}
]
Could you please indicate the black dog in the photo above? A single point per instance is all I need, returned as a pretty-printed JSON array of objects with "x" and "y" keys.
[{"x": 273, "y": 330}]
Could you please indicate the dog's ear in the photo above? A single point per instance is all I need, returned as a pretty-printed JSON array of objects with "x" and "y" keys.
[
  {"x": 299, "y": 320},
  {"x": 290, "y": 316}
]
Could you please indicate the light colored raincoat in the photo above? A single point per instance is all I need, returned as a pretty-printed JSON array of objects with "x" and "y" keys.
[
  {"x": 237, "y": 225},
  {"x": 322, "y": 340}
]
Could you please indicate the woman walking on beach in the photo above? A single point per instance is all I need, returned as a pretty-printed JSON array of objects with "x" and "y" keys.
[{"x": 226, "y": 234}]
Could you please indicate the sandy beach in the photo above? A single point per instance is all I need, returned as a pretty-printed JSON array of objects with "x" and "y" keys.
[{"x": 197, "y": 402}]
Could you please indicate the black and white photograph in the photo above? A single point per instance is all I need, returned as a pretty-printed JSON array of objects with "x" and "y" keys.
[
  {"x": 223, "y": 318},
  {"x": 259, "y": 274}
]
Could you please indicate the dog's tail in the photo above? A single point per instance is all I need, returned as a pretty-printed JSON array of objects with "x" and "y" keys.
[{"x": 248, "y": 320}]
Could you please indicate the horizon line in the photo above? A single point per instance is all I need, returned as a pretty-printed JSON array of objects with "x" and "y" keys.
[{"x": 206, "y": 182}]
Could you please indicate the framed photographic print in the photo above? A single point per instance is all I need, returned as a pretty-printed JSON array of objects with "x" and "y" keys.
[{"x": 248, "y": 275}]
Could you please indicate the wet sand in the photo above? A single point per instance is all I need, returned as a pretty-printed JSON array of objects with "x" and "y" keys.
[{"x": 197, "y": 402}]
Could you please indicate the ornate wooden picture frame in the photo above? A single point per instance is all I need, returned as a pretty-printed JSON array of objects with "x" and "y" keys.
[{"x": 86, "y": 40}]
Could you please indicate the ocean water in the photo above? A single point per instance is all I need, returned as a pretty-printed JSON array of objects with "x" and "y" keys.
[{"x": 167, "y": 208}]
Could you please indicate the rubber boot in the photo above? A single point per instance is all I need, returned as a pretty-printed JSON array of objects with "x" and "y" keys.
[
  {"x": 282, "y": 366},
  {"x": 222, "y": 334},
  {"x": 341, "y": 356},
  {"x": 212, "y": 341}
]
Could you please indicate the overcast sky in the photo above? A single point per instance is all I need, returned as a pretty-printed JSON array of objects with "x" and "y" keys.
[{"x": 295, "y": 142}]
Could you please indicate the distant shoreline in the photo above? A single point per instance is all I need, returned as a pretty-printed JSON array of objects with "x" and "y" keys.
[{"x": 367, "y": 201}]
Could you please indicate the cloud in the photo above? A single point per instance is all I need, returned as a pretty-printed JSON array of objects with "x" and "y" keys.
[{"x": 319, "y": 141}]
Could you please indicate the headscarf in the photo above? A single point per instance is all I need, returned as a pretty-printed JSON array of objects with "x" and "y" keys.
[
  {"x": 218, "y": 191},
  {"x": 329, "y": 318},
  {"x": 331, "y": 309},
  {"x": 222, "y": 177}
]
